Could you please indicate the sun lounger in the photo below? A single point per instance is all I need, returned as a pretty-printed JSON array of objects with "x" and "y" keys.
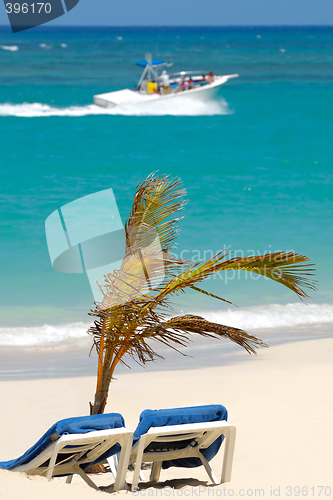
[
  {"x": 183, "y": 437},
  {"x": 73, "y": 444}
]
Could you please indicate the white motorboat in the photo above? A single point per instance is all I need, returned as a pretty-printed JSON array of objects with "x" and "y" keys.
[{"x": 154, "y": 86}]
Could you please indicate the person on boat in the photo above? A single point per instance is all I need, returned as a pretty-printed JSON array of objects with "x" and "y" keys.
[
  {"x": 203, "y": 79},
  {"x": 183, "y": 85},
  {"x": 211, "y": 77},
  {"x": 151, "y": 87},
  {"x": 190, "y": 83},
  {"x": 164, "y": 83}
]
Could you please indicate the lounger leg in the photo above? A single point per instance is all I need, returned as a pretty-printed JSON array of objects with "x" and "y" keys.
[
  {"x": 69, "y": 479},
  {"x": 138, "y": 463},
  {"x": 155, "y": 472},
  {"x": 208, "y": 468},
  {"x": 229, "y": 446},
  {"x": 113, "y": 463},
  {"x": 85, "y": 478},
  {"x": 52, "y": 462},
  {"x": 126, "y": 449},
  {"x": 142, "y": 476}
]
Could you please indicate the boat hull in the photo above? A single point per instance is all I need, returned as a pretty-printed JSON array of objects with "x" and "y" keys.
[{"x": 205, "y": 93}]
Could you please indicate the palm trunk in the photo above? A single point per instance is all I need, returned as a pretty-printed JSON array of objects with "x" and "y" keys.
[
  {"x": 107, "y": 363},
  {"x": 102, "y": 391},
  {"x": 101, "y": 395},
  {"x": 102, "y": 388},
  {"x": 99, "y": 403}
]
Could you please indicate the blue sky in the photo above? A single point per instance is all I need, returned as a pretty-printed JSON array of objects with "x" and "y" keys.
[{"x": 195, "y": 12}]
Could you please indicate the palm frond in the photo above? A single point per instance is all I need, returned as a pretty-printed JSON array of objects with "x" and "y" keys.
[
  {"x": 156, "y": 198},
  {"x": 286, "y": 268},
  {"x": 188, "y": 324},
  {"x": 197, "y": 289},
  {"x": 147, "y": 261}
]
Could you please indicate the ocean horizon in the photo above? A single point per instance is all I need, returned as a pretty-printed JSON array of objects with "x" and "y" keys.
[{"x": 83, "y": 27}]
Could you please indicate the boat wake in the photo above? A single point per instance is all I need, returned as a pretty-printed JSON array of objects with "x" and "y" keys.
[{"x": 186, "y": 108}]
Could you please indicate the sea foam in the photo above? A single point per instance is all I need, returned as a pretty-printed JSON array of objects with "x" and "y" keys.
[
  {"x": 250, "y": 318},
  {"x": 63, "y": 336},
  {"x": 187, "y": 107},
  {"x": 273, "y": 316}
]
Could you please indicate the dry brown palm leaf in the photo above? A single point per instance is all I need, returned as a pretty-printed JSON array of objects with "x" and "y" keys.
[
  {"x": 147, "y": 261},
  {"x": 155, "y": 200},
  {"x": 188, "y": 324}
]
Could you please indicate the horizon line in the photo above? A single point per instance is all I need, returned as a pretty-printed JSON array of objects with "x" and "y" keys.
[{"x": 225, "y": 26}]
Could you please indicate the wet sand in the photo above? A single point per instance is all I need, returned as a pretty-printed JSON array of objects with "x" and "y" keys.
[{"x": 29, "y": 363}]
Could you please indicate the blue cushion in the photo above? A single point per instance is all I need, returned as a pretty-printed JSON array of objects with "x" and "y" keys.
[
  {"x": 77, "y": 425},
  {"x": 176, "y": 416}
]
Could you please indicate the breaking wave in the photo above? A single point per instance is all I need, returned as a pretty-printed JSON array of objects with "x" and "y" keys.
[
  {"x": 273, "y": 316},
  {"x": 179, "y": 108},
  {"x": 63, "y": 336},
  {"x": 251, "y": 318}
]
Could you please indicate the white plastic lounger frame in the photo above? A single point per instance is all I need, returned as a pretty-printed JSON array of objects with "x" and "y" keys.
[
  {"x": 84, "y": 449},
  {"x": 203, "y": 435}
]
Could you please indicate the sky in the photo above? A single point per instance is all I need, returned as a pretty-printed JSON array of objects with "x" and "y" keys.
[{"x": 194, "y": 13}]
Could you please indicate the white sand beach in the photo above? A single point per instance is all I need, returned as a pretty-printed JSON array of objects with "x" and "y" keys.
[{"x": 281, "y": 404}]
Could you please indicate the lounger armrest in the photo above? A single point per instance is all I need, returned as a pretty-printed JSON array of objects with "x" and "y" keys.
[{"x": 172, "y": 430}]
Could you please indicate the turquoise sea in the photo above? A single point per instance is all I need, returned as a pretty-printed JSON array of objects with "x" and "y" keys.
[{"x": 257, "y": 163}]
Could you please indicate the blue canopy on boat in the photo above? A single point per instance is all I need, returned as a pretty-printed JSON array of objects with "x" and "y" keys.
[{"x": 154, "y": 62}]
